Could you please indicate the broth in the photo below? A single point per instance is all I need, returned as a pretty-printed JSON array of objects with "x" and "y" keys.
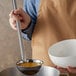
[{"x": 29, "y": 64}]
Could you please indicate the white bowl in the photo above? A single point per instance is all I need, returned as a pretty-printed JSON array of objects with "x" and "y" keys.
[{"x": 63, "y": 53}]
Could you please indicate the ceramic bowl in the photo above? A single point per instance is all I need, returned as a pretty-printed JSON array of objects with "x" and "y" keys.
[{"x": 63, "y": 53}]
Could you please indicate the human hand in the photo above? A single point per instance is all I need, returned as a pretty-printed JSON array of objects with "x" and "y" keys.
[
  {"x": 20, "y": 15},
  {"x": 71, "y": 69},
  {"x": 67, "y": 70}
]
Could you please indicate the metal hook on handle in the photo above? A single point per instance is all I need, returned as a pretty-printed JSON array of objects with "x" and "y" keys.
[{"x": 19, "y": 31}]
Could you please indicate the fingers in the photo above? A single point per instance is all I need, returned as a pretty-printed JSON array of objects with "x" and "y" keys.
[
  {"x": 20, "y": 15},
  {"x": 66, "y": 70},
  {"x": 62, "y": 70},
  {"x": 13, "y": 24},
  {"x": 13, "y": 18},
  {"x": 71, "y": 69},
  {"x": 19, "y": 11}
]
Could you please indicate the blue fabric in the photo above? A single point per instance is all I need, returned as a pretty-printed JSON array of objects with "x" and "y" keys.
[{"x": 31, "y": 7}]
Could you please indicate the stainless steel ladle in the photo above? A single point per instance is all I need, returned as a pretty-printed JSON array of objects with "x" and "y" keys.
[
  {"x": 19, "y": 31},
  {"x": 25, "y": 70}
]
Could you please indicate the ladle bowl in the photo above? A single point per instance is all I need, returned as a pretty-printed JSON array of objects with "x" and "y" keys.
[{"x": 29, "y": 66}]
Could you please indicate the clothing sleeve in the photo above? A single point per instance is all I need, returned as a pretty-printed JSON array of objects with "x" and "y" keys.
[{"x": 30, "y": 7}]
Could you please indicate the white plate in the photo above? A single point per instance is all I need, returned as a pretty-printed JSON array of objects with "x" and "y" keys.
[{"x": 48, "y": 71}]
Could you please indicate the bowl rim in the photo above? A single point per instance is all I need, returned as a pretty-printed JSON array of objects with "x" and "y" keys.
[
  {"x": 52, "y": 68},
  {"x": 58, "y": 43}
]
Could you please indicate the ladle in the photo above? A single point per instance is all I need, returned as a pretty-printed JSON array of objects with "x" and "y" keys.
[
  {"x": 23, "y": 65},
  {"x": 19, "y": 31}
]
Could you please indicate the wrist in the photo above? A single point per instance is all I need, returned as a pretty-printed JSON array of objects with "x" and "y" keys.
[{"x": 27, "y": 26}]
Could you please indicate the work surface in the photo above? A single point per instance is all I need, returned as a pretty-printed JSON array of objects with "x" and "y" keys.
[
  {"x": 13, "y": 71},
  {"x": 44, "y": 71}
]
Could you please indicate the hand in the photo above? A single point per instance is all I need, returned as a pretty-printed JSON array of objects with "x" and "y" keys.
[
  {"x": 66, "y": 70},
  {"x": 62, "y": 70},
  {"x": 19, "y": 14},
  {"x": 72, "y": 69}
]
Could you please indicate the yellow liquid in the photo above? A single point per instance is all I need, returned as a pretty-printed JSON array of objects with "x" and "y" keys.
[{"x": 29, "y": 64}]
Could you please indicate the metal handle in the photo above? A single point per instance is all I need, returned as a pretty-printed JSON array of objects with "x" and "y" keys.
[{"x": 19, "y": 31}]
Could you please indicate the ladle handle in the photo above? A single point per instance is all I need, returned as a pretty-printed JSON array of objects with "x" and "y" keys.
[{"x": 19, "y": 31}]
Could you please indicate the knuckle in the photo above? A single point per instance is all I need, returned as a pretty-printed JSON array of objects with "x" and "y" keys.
[
  {"x": 9, "y": 15},
  {"x": 20, "y": 9}
]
